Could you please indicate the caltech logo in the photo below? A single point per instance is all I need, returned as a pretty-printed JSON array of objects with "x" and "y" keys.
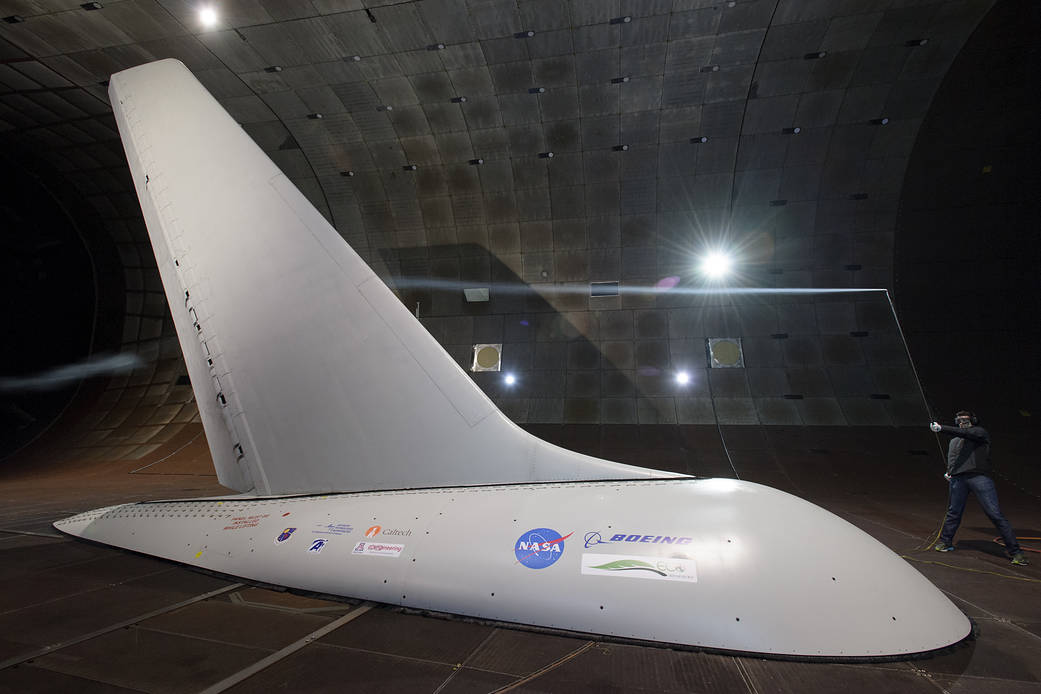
[
  {"x": 539, "y": 548},
  {"x": 285, "y": 535},
  {"x": 375, "y": 530}
]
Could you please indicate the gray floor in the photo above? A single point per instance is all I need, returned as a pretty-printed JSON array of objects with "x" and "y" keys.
[{"x": 78, "y": 617}]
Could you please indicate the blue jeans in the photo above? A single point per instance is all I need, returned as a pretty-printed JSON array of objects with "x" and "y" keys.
[{"x": 983, "y": 487}]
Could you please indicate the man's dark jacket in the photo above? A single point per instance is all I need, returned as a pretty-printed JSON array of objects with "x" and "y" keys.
[{"x": 969, "y": 451}]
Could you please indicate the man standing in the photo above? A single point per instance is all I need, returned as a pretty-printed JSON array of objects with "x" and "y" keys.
[{"x": 968, "y": 469}]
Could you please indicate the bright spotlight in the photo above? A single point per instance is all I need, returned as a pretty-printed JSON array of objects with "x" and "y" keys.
[
  {"x": 208, "y": 16},
  {"x": 510, "y": 379},
  {"x": 683, "y": 378},
  {"x": 716, "y": 265}
]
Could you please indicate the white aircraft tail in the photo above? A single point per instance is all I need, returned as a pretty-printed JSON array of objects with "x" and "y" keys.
[{"x": 310, "y": 375}]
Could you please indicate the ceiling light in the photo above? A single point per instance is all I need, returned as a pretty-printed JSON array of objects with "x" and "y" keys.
[
  {"x": 208, "y": 16},
  {"x": 879, "y": 121},
  {"x": 509, "y": 379},
  {"x": 682, "y": 378},
  {"x": 698, "y": 140},
  {"x": 716, "y": 265},
  {"x": 792, "y": 131}
]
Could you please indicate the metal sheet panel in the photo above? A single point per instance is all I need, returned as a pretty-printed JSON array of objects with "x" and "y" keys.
[{"x": 714, "y": 563}]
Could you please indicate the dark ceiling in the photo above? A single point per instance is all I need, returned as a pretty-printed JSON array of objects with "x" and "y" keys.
[{"x": 806, "y": 136}]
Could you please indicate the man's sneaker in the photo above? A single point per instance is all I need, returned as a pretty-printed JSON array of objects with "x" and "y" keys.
[
  {"x": 944, "y": 547},
  {"x": 1019, "y": 559}
]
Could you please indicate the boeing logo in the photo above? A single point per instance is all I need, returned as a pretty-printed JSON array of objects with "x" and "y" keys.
[{"x": 593, "y": 538}]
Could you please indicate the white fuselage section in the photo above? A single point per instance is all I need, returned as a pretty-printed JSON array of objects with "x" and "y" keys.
[{"x": 698, "y": 562}]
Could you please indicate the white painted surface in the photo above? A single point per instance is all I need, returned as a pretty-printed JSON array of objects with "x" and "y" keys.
[
  {"x": 312, "y": 377},
  {"x": 775, "y": 574},
  {"x": 321, "y": 380}
]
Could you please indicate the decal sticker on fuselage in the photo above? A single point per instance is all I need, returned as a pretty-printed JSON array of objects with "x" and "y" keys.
[
  {"x": 539, "y": 548},
  {"x": 332, "y": 529},
  {"x": 284, "y": 535},
  {"x": 243, "y": 522},
  {"x": 378, "y": 549},
  {"x": 633, "y": 566},
  {"x": 595, "y": 537},
  {"x": 317, "y": 545}
]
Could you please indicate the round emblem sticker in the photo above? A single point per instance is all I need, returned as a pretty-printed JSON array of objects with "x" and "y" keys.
[{"x": 539, "y": 548}]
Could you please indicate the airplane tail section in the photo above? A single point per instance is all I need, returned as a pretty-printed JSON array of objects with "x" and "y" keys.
[{"x": 309, "y": 374}]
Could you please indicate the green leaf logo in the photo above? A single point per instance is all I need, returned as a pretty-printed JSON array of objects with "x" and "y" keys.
[{"x": 630, "y": 565}]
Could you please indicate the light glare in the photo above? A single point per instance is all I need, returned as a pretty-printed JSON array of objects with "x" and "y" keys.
[
  {"x": 716, "y": 264},
  {"x": 510, "y": 379},
  {"x": 208, "y": 16},
  {"x": 683, "y": 378}
]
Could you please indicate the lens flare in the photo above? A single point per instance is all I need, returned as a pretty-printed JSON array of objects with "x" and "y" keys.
[
  {"x": 716, "y": 265},
  {"x": 208, "y": 16}
]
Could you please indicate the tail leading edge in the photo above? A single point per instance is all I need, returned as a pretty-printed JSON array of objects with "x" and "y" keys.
[{"x": 310, "y": 375}]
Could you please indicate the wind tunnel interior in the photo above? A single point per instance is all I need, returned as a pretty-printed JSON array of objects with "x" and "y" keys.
[{"x": 965, "y": 242}]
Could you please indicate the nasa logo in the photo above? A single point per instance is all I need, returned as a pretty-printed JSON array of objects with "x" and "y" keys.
[
  {"x": 285, "y": 535},
  {"x": 539, "y": 548},
  {"x": 317, "y": 545},
  {"x": 373, "y": 531}
]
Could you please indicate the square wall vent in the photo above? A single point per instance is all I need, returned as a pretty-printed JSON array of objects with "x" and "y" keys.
[
  {"x": 487, "y": 357},
  {"x": 725, "y": 353}
]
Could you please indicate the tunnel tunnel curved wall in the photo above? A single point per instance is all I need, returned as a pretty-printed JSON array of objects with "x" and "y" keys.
[
  {"x": 590, "y": 365},
  {"x": 968, "y": 248}
]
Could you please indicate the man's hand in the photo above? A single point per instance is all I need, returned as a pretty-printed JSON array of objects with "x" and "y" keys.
[{"x": 935, "y": 427}]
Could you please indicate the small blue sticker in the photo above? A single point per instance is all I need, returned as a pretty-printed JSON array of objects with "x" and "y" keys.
[
  {"x": 539, "y": 548},
  {"x": 285, "y": 535},
  {"x": 317, "y": 545}
]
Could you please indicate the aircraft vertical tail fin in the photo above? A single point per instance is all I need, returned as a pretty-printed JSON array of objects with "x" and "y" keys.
[{"x": 309, "y": 374}]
